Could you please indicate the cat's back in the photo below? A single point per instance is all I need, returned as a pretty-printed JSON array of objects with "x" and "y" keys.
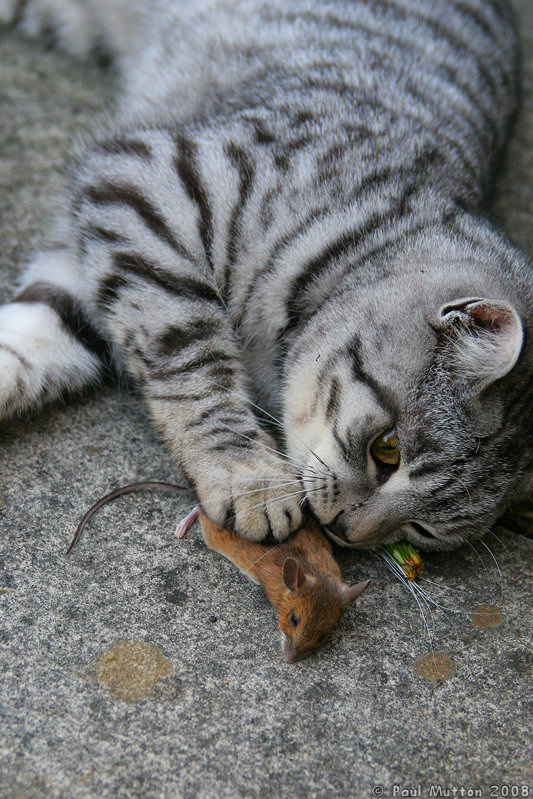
[{"x": 200, "y": 57}]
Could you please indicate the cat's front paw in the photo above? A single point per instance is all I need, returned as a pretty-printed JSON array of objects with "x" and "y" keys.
[
  {"x": 254, "y": 500},
  {"x": 39, "y": 358},
  {"x": 65, "y": 25},
  {"x": 24, "y": 340},
  {"x": 13, "y": 382},
  {"x": 8, "y": 11}
]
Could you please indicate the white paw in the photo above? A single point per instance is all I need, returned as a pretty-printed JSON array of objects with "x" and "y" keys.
[
  {"x": 13, "y": 381},
  {"x": 255, "y": 498},
  {"x": 8, "y": 10},
  {"x": 38, "y": 359},
  {"x": 65, "y": 22}
]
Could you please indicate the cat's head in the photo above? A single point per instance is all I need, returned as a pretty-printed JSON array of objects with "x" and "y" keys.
[{"x": 410, "y": 405}]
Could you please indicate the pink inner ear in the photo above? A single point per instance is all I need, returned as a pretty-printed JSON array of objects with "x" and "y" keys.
[
  {"x": 488, "y": 316},
  {"x": 293, "y": 574},
  {"x": 490, "y": 348}
]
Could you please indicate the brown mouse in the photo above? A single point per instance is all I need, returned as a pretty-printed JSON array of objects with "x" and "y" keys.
[{"x": 301, "y": 578}]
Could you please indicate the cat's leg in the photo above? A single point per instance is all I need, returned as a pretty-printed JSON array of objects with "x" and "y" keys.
[
  {"x": 148, "y": 270},
  {"x": 174, "y": 335},
  {"x": 8, "y": 11},
  {"x": 48, "y": 344}
]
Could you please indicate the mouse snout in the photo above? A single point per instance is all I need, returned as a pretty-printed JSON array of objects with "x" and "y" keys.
[{"x": 293, "y": 654}]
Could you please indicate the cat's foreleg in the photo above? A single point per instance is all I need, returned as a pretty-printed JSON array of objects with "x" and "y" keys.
[
  {"x": 175, "y": 336},
  {"x": 48, "y": 343},
  {"x": 85, "y": 29}
]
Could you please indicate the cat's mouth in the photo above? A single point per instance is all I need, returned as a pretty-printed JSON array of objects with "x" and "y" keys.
[
  {"x": 421, "y": 529},
  {"x": 339, "y": 537},
  {"x": 413, "y": 528}
]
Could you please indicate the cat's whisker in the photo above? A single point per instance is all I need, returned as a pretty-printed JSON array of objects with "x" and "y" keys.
[
  {"x": 299, "y": 465},
  {"x": 424, "y": 600},
  {"x": 440, "y": 607},
  {"x": 274, "y": 499},
  {"x": 280, "y": 499},
  {"x": 275, "y": 546},
  {"x": 262, "y": 480},
  {"x": 491, "y": 553},
  {"x": 424, "y": 579},
  {"x": 471, "y": 545},
  {"x": 265, "y": 488},
  {"x": 485, "y": 565},
  {"x": 499, "y": 540},
  {"x": 466, "y": 490},
  {"x": 281, "y": 426},
  {"x": 274, "y": 480},
  {"x": 292, "y": 461},
  {"x": 396, "y": 570},
  {"x": 424, "y": 596},
  {"x": 429, "y": 610}
]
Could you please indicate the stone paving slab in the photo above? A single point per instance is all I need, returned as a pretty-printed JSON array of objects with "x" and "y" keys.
[{"x": 143, "y": 667}]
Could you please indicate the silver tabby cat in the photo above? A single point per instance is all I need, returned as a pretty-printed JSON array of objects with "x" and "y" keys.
[{"x": 290, "y": 212}]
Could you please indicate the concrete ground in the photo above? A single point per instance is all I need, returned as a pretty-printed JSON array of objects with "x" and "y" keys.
[{"x": 140, "y": 667}]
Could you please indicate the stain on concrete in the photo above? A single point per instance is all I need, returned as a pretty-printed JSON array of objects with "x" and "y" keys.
[
  {"x": 172, "y": 586},
  {"x": 131, "y": 669},
  {"x": 435, "y": 667},
  {"x": 486, "y": 616},
  {"x": 176, "y": 597}
]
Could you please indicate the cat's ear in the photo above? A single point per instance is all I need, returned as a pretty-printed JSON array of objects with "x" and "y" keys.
[{"x": 486, "y": 337}]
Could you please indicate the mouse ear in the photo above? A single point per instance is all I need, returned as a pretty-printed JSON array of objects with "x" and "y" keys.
[
  {"x": 353, "y": 591},
  {"x": 293, "y": 574}
]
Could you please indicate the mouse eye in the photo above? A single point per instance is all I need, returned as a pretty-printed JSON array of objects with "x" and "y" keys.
[{"x": 293, "y": 620}]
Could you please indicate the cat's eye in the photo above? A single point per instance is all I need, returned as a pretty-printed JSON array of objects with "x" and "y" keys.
[
  {"x": 293, "y": 620},
  {"x": 384, "y": 449}
]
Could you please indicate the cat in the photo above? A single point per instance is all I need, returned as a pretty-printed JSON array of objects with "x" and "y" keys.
[{"x": 289, "y": 215}]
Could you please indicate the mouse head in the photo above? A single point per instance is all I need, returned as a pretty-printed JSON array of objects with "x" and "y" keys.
[{"x": 310, "y": 607}]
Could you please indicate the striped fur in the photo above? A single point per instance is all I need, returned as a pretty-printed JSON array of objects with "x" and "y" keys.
[{"x": 290, "y": 211}]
